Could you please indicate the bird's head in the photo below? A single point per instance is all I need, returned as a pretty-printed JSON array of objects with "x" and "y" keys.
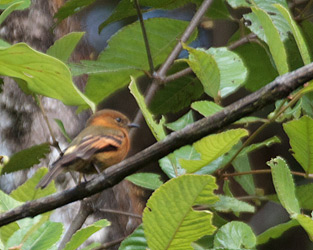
[{"x": 110, "y": 118}]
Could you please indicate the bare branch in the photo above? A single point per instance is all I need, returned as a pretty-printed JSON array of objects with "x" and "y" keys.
[{"x": 281, "y": 87}]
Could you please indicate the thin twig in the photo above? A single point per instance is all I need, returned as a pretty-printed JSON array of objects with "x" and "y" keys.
[
  {"x": 112, "y": 211},
  {"x": 54, "y": 141},
  {"x": 281, "y": 87},
  {"x": 145, "y": 36},
  {"x": 246, "y": 39},
  {"x": 177, "y": 75},
  {"x": 262, "y": 171}
]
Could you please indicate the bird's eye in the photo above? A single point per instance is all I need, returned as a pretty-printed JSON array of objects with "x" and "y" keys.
[{"x": 118, "y": 119}]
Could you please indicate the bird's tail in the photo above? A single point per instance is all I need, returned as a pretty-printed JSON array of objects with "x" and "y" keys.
[{"x": 54, "y": 172}]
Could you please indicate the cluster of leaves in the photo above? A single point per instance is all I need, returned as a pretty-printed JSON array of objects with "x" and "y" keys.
[{"x": 184, "y": 209}]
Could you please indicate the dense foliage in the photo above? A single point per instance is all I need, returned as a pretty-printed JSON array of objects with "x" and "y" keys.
[{"x": 274, "y": 38}]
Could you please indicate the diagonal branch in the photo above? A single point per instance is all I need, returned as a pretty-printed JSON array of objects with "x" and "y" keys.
[{"x": 279, "y": 88}]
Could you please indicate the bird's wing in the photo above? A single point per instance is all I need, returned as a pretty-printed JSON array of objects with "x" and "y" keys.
[{"x": 88, "y": 146}]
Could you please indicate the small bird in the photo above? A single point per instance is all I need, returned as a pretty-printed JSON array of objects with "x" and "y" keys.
[{"x": 102, "y": 143}]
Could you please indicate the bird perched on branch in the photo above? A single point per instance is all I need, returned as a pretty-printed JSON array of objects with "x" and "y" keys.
[{"x": 102, "y": 143}]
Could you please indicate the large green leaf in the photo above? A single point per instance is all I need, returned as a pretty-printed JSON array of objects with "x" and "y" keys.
[
  {"x": 135, "y": 241},
  {"x": 45, "y": 237},
  {"x": 276, "y": 231},
  {"x": 305, "y": 200},
  {"x": 273, "y": 40},
  {"x": 300, "y": 133},
  {"x": 259, "y": 65},
  {"x": 83, "y": 234},
  {"x": 63, "y": 48},
  {"x": 235, "y": 235},
  {"x": 284, "y": 185},
  {"x": 26, "y": 158},
  {"x": 157, "y": 129},
  {"x": 232, "y": 70},
  {"x": 212, "y": 147},
  {"x": 176, "y": 95},
  {"x": 41, "y": 74},
  {"x": 304, "y": 51},
  {"x": 169, "y": 218},
  {"x": 27, "y": 191},
  {"x": 128, "y": 56}
]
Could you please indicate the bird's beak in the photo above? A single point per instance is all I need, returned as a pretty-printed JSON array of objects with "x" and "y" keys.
[{"x": 133, "y": 125}]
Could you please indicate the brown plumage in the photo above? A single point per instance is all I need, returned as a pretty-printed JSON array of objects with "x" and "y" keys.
[{"x": 103, "y": 143}]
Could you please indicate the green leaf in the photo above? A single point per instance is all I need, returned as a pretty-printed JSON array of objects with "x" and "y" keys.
[
  {"x": 273, "y": 40},
  {"x": 218, "y": 10},
  {"x": 242, "y": 164},
  {"x": 72, "y": 7},
  {"x": 300, "y": 133},
  {"x": 232, "y": 70},
  {"x": 206, "y": 108},
  {"x": 284, "y": 185},
  {"x": 62, "y": 129},
  {"x": 9, "y": 10},
  {"x": 63, "y": 48},
  {"x": 169, "y": 217},
  {"x": 146, "y": 180},
  {"x": 305, "y": 200},
  {"x": 26, "y": 158},
  {"x": 123, "y": 52},
  {"x": 259, "y": 66},
  {"x": 206, "y": 69},
  {"x": 212, "y": 147},
  {"x": 135, "y": 241},
  {"x": 45, "y": 237},
  {"x": 166, "y": 163},
  {"x": 176, "y": 95},
  {"x": 124, "y": 9},
  {"x": 7, "y": 203},
  {"x": 41, "y": 73},
  {"x": 228, "y": 204},
  {"x": 276, "y": 231},
  {"x": 4, "y": 44},
  {"x": 306, "y": 222},
  {"x": 256, "y": 146},
  {"x": 181, "y": 122},
  {"x": 27, "y": 191},
  {"x": 92, "y": 246},
  {"x": 157, "y": 129},
  {"x": 239, "y": 3},
  {"x": 4, "y": 4},
  {"x": 304, "y": 51},
  {"x": 235, "y": 235},
  {"x": 83, "y": 234},
  {"x": 278, "y": 20}
]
